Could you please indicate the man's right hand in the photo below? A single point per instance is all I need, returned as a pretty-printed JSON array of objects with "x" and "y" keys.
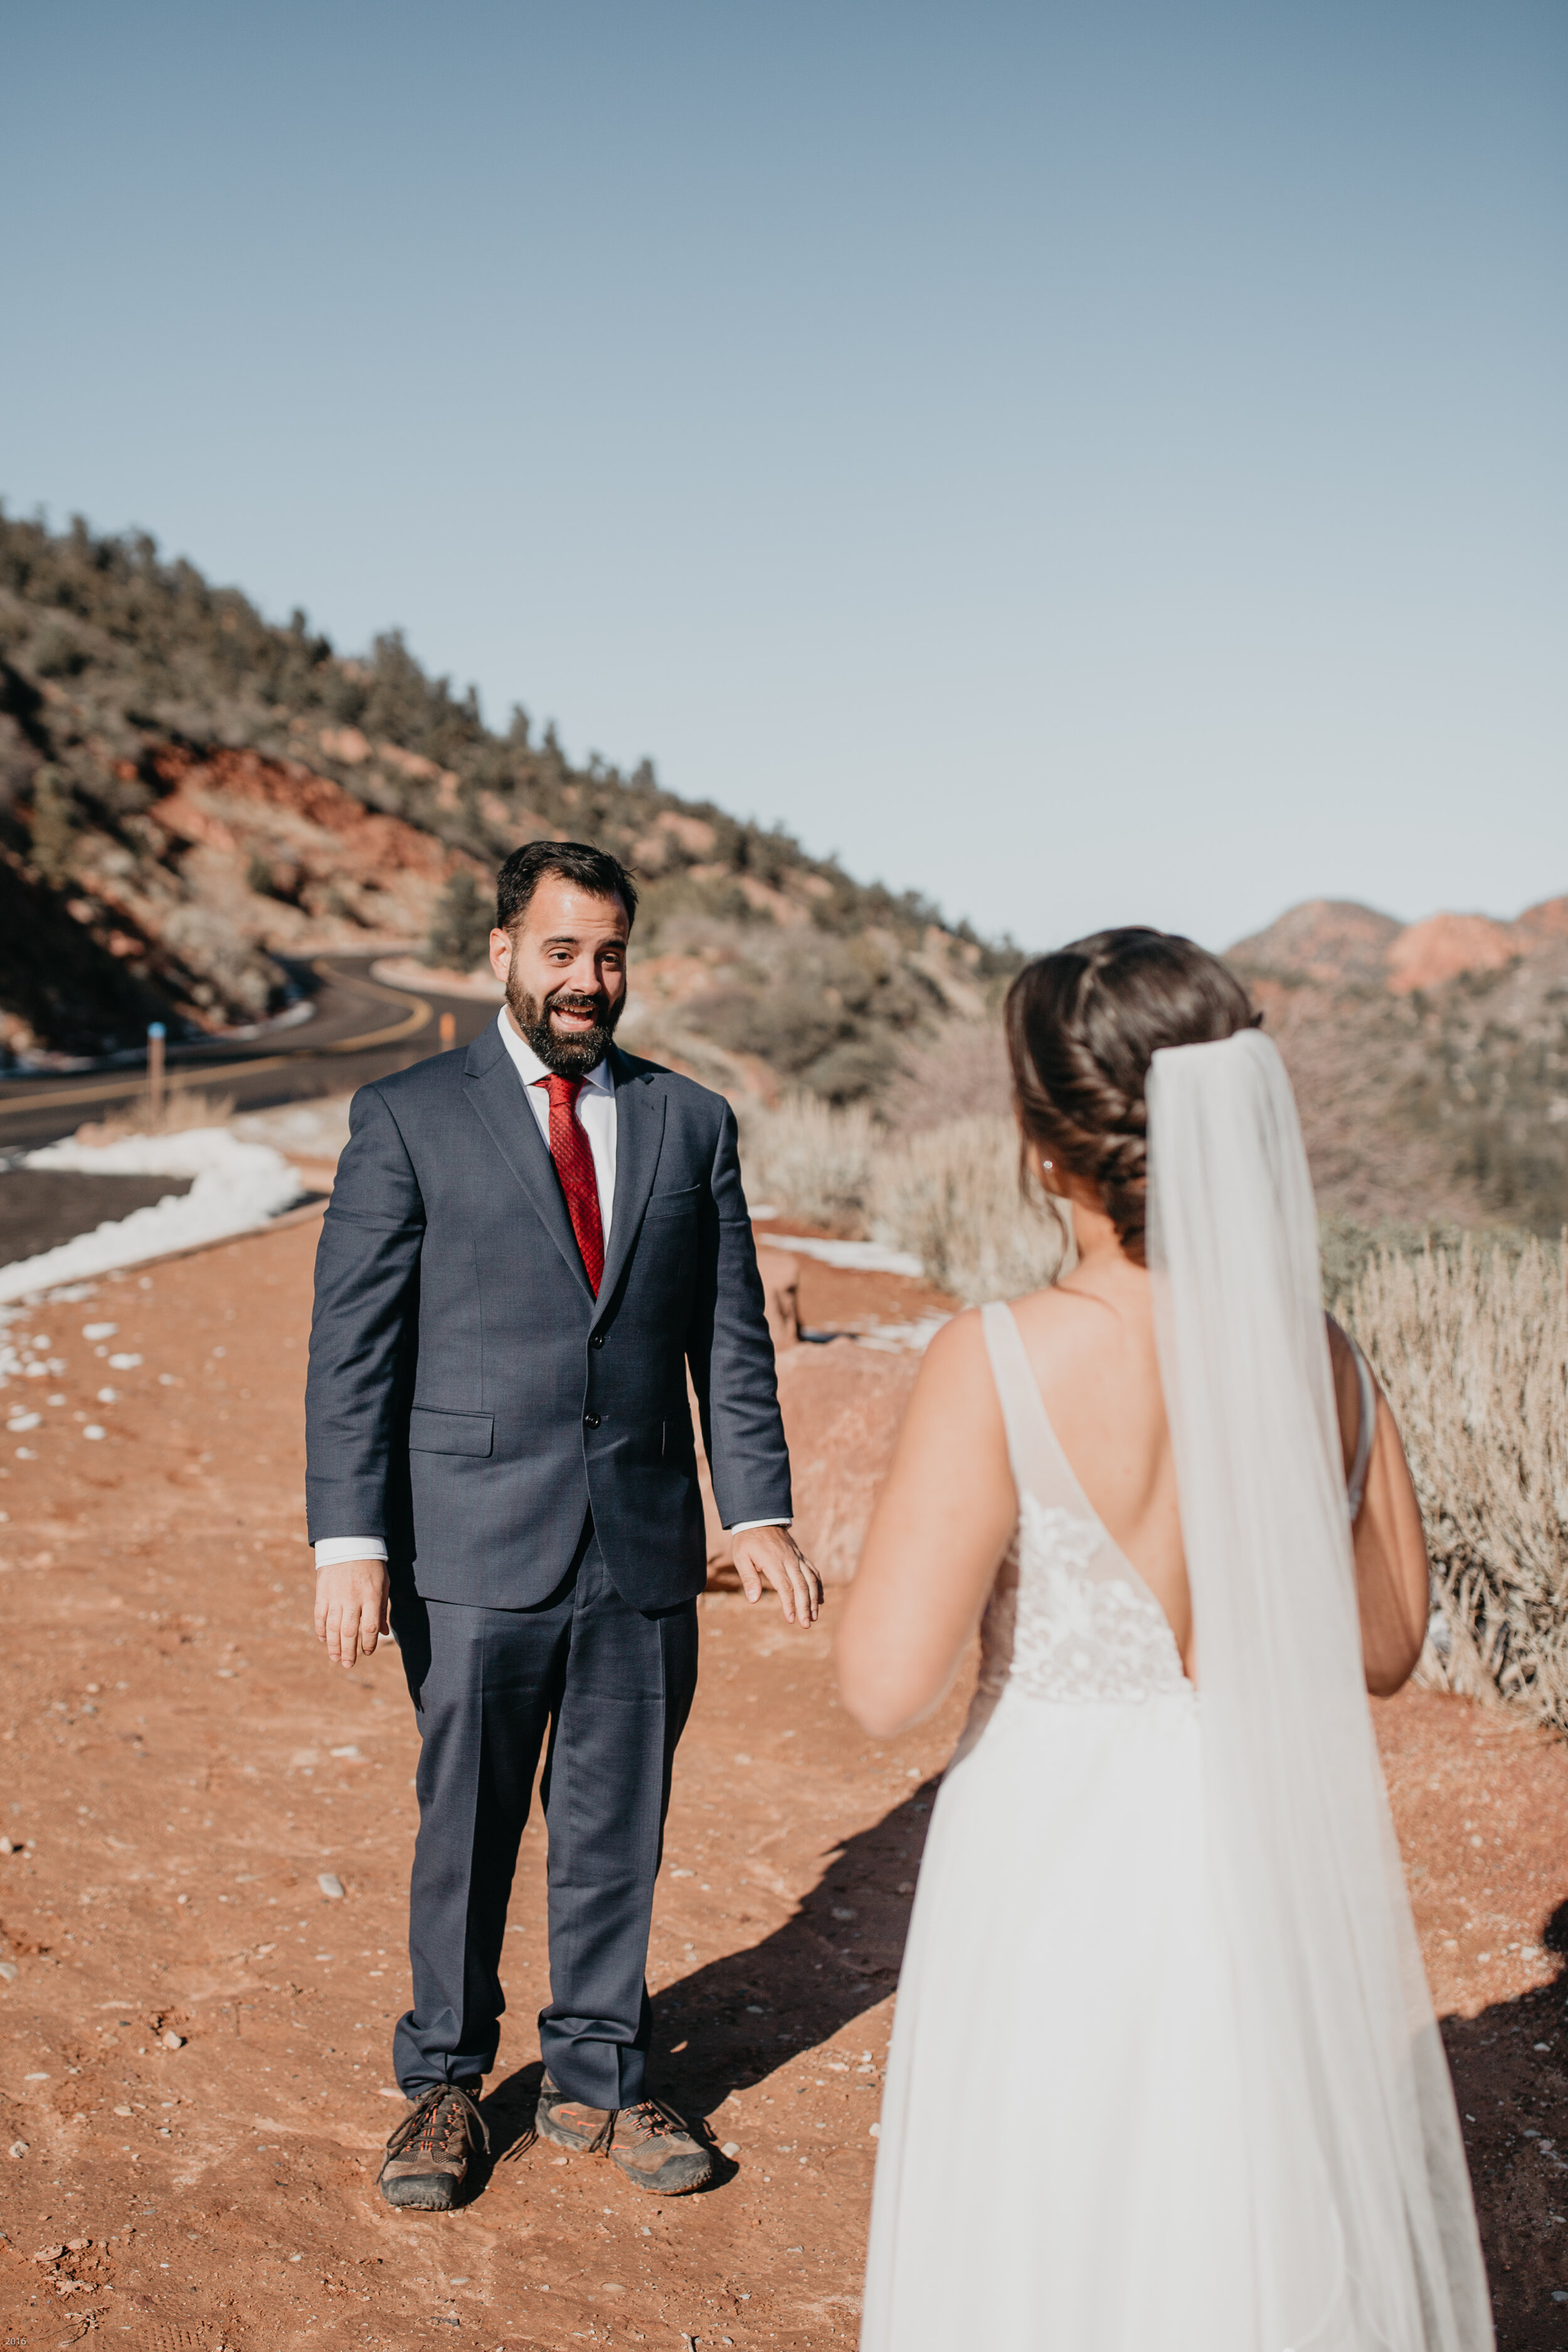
[{"x": 354, "y": 1608}]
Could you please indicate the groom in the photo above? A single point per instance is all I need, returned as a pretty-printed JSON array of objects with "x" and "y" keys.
[{"x": 528, "y": 1244}]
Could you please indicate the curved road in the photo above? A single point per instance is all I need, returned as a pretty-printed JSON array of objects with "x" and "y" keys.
[{"x": 361, "y": 1030}]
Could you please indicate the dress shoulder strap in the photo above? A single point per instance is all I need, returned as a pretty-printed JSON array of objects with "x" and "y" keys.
[
  {"x": 1365, "y": 1432},
  {"x": 1032, "y": 1448}
]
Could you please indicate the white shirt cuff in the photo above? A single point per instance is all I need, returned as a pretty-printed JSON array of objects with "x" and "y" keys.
[{"x": 333, "y": 1548}]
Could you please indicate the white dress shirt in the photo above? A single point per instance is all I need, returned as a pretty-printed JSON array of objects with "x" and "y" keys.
[{"x": 597, "y": 1112}]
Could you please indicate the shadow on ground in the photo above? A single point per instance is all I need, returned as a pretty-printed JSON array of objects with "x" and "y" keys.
[
  {"x": 730, "y": 2024},
  {"x": 735, "y": 2020},
  {"x": 1510, "y": 2077}
]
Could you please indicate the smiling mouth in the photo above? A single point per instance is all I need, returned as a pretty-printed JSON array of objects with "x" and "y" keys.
[{"x": 576, "y": 1016}]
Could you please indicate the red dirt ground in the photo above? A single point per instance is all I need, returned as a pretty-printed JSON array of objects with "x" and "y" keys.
[{"x": 170, "y": 1836}]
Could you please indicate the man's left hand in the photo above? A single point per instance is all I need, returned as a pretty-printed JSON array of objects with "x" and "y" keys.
[{"x": 772, "y": 1556}]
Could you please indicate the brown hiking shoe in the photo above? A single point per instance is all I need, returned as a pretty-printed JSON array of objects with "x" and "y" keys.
[
  {"x": 427, "y": 2155},
  {"x": 654, "y": 2150},
  {"x": 649, "y": 2142},
  {"x": 584, "y": 2130}
]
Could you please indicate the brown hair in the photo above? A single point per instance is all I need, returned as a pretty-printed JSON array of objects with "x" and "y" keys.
[
  {"x": 578, "y": 862},
  {"x": 1083, "y": 1025}
]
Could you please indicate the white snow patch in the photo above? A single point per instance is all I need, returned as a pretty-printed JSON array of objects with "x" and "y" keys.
[
  {"x": 863, "y": 1258},
  {"x": 237, "y": 1186}
]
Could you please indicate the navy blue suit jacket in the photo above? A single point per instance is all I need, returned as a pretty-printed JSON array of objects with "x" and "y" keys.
[{"x": 470, "y": 1401}]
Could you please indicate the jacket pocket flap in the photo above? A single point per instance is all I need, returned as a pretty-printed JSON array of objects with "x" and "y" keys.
[
  {"x": 430, "y": 1432},
  {"x": 686, "y": 1197}
]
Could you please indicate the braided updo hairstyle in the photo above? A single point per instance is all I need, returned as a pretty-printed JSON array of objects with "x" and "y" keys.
[{"x": 1083, "y": 1025}]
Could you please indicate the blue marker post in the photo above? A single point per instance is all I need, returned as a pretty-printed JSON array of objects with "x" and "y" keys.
[{"x": 155, "y": 1033}]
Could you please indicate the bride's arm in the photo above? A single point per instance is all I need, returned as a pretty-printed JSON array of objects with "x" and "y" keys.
[
  {"x": 1393, "y": 1577},
  {"x": 942, "y": 1523}
]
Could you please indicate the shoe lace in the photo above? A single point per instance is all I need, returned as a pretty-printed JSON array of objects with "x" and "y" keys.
[
  {"x": 443, "y": 2110},
  {"x": 655, "y": 2118}
]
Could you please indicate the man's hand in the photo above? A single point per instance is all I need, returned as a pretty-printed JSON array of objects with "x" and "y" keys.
[
  {"x": 772, "y": 1556},
  {"x": 354, "y": 1608}
]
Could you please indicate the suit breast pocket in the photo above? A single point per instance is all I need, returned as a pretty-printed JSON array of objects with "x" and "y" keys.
[{"x": 433, "y": 1432}]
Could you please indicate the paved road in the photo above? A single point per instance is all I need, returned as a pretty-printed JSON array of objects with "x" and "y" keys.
[{"x": 361, "y": 1030}]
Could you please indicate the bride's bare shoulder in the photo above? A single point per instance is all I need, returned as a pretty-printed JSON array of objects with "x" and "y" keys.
[
  {"x": 1061, "y": 1320},
  {"x": 956, "y": 1351}
]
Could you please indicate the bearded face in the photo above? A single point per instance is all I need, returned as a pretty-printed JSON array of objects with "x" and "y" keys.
[{"x": 573, "y": 1052}]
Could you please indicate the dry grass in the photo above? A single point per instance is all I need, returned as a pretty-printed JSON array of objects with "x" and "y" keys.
[
  {"x": 183, "y": 1107},
  {"x": 810, "y": 1159},
  {"x": 1471, "y": 1344},
  {"x": 949, "y": 1196}
]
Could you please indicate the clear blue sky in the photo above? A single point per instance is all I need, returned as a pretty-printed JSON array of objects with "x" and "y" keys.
[{"x": 1092, "y": 464}]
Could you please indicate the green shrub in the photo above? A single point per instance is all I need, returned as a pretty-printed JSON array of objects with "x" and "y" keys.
[{"x": 461, "y": 926}]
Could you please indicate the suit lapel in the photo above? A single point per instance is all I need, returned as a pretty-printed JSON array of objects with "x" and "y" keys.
[
  {"x": 639, "y": 1132},
  {"x": 495, "y": 1091}
]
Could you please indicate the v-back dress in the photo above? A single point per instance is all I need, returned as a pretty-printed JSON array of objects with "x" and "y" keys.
[{"x": 1061, "y": 2165}]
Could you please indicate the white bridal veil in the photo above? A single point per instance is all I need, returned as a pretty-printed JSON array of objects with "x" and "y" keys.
[{"x": 1366, "y": 2234}]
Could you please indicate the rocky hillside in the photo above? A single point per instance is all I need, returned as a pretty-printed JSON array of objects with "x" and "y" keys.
[
  {"x": 193, "y": 801},
  {"x": 1430, "y": 1059}
]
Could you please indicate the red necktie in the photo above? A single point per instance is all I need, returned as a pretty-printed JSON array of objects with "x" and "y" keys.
[{"x": 573, "y": 1158}]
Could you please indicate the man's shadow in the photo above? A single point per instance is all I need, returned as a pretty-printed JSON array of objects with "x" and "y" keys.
[{"x": 735, "y": 2020}]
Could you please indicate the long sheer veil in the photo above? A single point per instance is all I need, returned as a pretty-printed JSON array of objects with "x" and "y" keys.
[{"x": 1366, "y": 2233}]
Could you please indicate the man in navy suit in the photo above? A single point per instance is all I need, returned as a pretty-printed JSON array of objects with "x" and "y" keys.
[{"x": 529, "y": 1245}]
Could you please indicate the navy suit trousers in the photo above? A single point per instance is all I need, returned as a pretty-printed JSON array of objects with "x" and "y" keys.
[{"x": 611, "y": 1687}]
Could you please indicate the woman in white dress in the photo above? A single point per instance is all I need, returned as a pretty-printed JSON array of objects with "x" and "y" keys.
[{"x": 1164, "y": 2075}]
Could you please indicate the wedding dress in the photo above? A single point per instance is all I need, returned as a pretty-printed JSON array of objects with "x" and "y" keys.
[{"x": 1164, "y": 2075}]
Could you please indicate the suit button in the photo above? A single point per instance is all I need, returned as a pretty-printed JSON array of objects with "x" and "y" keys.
[
  {"x": 595, "y": 1339},
  {"x": 590, "y": 1420}
]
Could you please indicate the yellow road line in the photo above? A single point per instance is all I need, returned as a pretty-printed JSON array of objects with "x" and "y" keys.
[
  {"x": 136, "y": 1081},
  {"x": 419, "y": 1012}
]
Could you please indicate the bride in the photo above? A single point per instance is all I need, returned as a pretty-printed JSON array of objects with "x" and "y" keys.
[{"x": 1164, "y": 2075}]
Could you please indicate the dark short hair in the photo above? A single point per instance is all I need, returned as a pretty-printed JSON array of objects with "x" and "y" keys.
[
  {"x": 594, "y": 870},
  {"x": 1083, "y": 1025}
]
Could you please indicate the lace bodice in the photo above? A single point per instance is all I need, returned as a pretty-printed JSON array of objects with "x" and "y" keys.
[{"x": 1068, "y": 1619}]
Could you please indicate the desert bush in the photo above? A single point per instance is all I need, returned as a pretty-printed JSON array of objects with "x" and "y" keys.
[
  {"x": 809, "y": 1157},
  {"x": 181, "y": 1109},
  {"x": 54, "y": 824},
  {"x": 951, "y": 1197},
  {"x": 1471, "y": 1344},
  {"x": 461, "y": 924}
]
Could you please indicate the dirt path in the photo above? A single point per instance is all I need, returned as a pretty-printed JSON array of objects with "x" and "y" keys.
[{"x": 194, "y": 2036}]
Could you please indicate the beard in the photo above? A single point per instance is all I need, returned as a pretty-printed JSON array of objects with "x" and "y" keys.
[{"x": 569, "y": 1056}]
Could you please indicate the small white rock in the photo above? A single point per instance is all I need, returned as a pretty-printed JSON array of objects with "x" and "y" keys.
[
  {"x": 730, "y": 2147},
  {"x": 92, "y": 1430},
  {"x": 99, "y": 1330},
  {"x": 18, "y": 2148},
  {"x": 10, "y": 1970},
  {"x": 173, "y": 2040},
  {"x": 329, "y": 1883},
  {"x": 123, "y": 1363}
]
